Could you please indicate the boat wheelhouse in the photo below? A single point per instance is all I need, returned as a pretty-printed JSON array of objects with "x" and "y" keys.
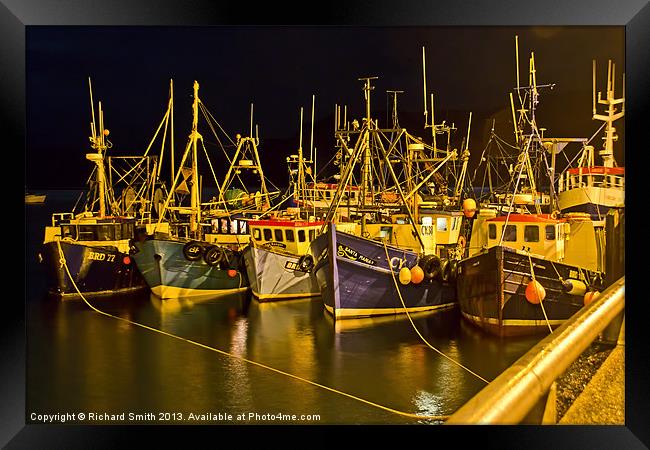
[
  {"x": 96, "y": 250},
  {"x": 277, "y": 259},
  {"x": 590, "y": 188}
]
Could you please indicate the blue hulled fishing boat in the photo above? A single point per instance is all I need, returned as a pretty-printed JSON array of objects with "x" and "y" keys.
[
  {"x": 179, "y": 268},
  {"x": 88, "y": 252},
  {"x": 201, "y": 256},
  {"x": 357, "y": 280},
  {"x": 402, "y": 254}
]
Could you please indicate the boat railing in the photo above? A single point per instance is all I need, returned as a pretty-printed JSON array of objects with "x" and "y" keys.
[
  {"x": 574, "y": 181},
  {"x": 57, "y": 218},
  {"x": 510, "y": 398}
]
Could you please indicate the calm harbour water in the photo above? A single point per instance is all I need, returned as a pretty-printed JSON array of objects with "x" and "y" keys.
[{"x": 81, "y": 361}]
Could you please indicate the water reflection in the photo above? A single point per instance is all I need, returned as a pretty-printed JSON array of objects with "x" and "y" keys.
[{"x": 78, "y": 360}]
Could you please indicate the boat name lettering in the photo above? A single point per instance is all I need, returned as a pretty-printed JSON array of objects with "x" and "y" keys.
[
  {"x": 96, "y": 256},
  {"x": 346, "y": 252},
  {"x": 276, "y": 244},
  {"x": 427, "y": 230},
  {"x": 293, "y": 265}
]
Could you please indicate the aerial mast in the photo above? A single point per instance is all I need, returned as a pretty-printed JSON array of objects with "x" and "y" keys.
[
  {"x": 195, "y": 217},
  {"x": 366, "y": 174}
]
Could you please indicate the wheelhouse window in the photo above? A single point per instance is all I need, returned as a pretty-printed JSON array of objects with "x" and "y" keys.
[
  {"x": 441, "y": 224},
  {"x": 278, "y": 235},
  {"x": 243, "y": 227},
  {"x": 68, "y": 231},
  {"x": 86, "y": 233},
  {"x": 531, "y": 233},
  {"x": 127, "y": 230},
  {"x": 224, "y": 226},
  {"x": 510, "y": 234},
  {"x": 257, "y": 234},
  {"x": 492, "y": 231},
  {"x": 550, "y": 232},
  {"x": 105, "y": 233},
  {"x": 312, "y": 235},
  {"x": 267, "y": 234},
  {"x": 301, "y": 235},
  {"x": 289, "y": 235}
]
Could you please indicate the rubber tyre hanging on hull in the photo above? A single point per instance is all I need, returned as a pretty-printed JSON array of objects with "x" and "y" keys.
[
  {"x": 214, "y": 255},
  {"x": 306, "y": 262},
  {"x": 193, "y": 251},
  {"x": 431, "y": 267},
  {"x": 451, "y": 271}
]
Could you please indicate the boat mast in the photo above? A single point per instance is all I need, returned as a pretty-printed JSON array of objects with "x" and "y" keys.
[
  {"x": 610, "y": 132},
  {"x": 98, "y": 143},
  {"x": 195, "y": 195},
  {"x": 301, "y": 188},
  {"x": 366, "y": 170}
]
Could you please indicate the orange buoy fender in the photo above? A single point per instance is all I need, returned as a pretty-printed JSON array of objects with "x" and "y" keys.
[
  {"x": 590, "y": 296},
  {"x": 535, "y": 292},
  {"x": 469, "y": 207},
  {"x": 417, "y": 275},
  {"x": 405, "y": 275}
]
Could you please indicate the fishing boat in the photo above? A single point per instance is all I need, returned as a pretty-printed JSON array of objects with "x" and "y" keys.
[
  {"x": 398, "y": 236},
  {"x": 185, "y": 263},
  {"x": 529, "y": 270},
  {"x": 88, "y": 252},
  {"x": 35, "y": 199},
  {"x": 277, "y": 259},
  {"x": 589, "y": 188}
]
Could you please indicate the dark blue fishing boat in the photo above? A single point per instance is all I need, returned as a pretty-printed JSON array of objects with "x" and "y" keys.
[
  {"x": 88, "y": 252},
  {"x": 356, "y": 281},
  {"x": 96, "y": 254}
]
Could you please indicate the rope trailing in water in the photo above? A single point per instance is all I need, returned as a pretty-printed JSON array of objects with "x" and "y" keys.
[
  {"x": 416, "y": 329},
  {"x": 541, "y": 303},
  {"x": 222, "y": 352}
]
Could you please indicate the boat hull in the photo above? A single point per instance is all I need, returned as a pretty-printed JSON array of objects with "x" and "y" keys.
[
  {"x": 96, "y": 270},
  {"x": 274, "y": 276},
  {"x": 170, "y": 274},
  {"x": 355, "y": 279},
  {"x": 33, "y": 199},
  {"x": 491, "y": 292},
  {"x": 592, "y": 200}
]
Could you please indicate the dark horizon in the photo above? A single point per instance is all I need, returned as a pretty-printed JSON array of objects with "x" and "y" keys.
[{"x": 279, "y": 68}]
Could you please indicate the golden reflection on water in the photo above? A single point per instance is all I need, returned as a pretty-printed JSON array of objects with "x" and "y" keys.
[{"x": 100, "y": 362}]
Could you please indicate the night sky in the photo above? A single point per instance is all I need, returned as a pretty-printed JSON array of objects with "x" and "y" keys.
[{"x": 279, "y": 68}]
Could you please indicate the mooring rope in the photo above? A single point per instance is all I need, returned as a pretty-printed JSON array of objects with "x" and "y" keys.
[
  {"x": 64, "y": 264},
  {"x": 416, "y": 329},
  {"x": 541, "y": 302}
]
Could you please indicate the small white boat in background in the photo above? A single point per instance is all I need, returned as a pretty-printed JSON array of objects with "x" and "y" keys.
[{"x": 33, "y": 199}]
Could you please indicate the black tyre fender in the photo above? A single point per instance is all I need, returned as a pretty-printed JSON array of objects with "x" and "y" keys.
[
  {"x": 453, "y": 270},
  {"x": 431, "y": 267},
  {"x": 193, "y": 251},
  {"x": 445, "y": 270},
  {"x": 133, "y": 249},
  {"x": 306, "y": 262},
  {"x": 214, "y": 255}
]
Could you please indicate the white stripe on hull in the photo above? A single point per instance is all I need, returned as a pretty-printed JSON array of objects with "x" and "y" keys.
[
  {"x": 608, "y": 197},
  {"x": 367, "y": 312},
  {"x": 176, "y": 292}
]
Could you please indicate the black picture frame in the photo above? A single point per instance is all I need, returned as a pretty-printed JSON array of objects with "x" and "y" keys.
[{"x": 16, "y": 15}]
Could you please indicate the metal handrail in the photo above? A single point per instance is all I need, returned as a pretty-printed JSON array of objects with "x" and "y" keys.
[{"x": 511, "y": 396}]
